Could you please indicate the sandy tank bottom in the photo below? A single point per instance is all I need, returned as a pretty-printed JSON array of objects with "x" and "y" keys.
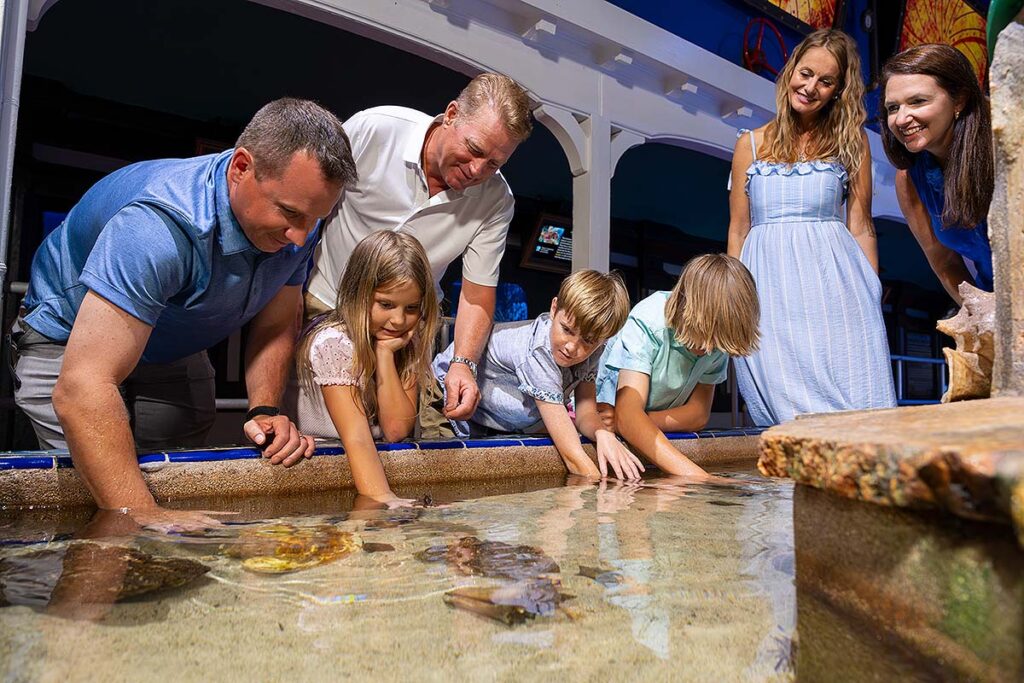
[{"x": 658, "y": 581}]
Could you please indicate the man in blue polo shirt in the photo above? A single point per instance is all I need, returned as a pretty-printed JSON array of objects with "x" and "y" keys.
[{"x": 159, "y": 261}]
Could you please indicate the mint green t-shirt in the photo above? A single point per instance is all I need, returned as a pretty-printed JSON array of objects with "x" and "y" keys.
[{"x": 647, "y": 344}]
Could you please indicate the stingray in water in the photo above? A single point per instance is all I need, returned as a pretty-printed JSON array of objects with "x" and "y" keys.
[
  {"x": 471, "y": 556},
  {"x": 510, "y": 604}
]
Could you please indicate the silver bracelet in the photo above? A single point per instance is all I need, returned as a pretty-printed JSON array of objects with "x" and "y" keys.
[{"x": 465, "y": 361}]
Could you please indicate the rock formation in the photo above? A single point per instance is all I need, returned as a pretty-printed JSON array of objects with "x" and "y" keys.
[{"x": 970, "y": 364}]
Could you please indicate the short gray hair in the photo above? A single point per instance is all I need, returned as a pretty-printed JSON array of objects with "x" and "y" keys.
[
  {"x": 289, "y": 125},
  {"x": 504, "y": 96}
]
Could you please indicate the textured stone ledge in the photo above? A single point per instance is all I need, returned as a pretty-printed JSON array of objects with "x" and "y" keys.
[
  {"x": 967, "y": 457},
  {"x": 46, "y": 479}
]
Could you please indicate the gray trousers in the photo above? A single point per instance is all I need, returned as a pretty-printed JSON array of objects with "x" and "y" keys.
[{"x": 169, "y": 404}]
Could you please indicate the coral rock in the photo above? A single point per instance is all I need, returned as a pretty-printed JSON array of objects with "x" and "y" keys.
[{"x": 972, "y": 328}]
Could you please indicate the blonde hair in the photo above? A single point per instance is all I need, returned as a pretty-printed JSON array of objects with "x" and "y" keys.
[
  {"x": 597, "y": 303},
  {"x": 504, "y": 96},
  {"x": 381, "y": 261},
  {"x": 714, "y": 306},
  {"x": 837, "y": 131}
]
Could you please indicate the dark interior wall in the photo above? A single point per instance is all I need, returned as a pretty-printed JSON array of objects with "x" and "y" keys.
[
  {"x": 217, "y": 62},
  {"x": 183, "y": 69}
]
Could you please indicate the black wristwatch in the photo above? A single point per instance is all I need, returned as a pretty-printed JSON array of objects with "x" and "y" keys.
[{"x": 262, "y": 410}]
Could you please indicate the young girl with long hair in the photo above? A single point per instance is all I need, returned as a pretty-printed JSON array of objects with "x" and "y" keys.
[
  {"x": 823, "y": 343},
  {"x": 938, "y": 132},
  {"x": 362, "y": 364}
]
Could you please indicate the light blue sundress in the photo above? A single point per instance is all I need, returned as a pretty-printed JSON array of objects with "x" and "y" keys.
[{"x": 823, "y": 344}]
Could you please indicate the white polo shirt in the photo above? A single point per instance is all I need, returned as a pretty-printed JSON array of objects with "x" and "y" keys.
[{"x": 392, "y": 194}]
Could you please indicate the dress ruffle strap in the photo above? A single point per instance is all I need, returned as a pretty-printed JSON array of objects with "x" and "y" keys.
[{"x": 769, "y": 168}]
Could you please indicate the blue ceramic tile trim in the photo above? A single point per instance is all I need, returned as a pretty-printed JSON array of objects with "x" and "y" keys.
[
  {"x": 400, "y": 446},
  {"x": 538, "y": 441},
  {"x": 213, "y": 456},
  {"x": 26, "y": 460},
  {"x": 328, "y": 451},
  {"x": 438, "y": 445},
  {"x": 491, "y": 443}
]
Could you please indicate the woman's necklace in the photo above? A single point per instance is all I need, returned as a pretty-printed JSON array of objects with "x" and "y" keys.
[{"x": 802, "y": 150}]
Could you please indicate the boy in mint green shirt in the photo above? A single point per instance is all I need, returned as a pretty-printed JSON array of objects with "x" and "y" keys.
[{"x": 659, "y": 372}]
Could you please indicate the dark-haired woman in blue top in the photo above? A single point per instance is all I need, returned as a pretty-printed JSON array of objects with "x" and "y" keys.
[{"x": 939, "y": 134}]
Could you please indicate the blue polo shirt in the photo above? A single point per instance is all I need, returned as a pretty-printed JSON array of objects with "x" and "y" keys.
[{"x": 158, "y": 239}]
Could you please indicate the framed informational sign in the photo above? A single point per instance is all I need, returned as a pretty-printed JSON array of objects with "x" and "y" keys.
[{"x": 550, "y": 245}]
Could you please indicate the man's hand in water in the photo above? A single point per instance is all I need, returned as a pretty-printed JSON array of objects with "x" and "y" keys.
[
  {"x": 168, "y": 521},
  {"x": 284, "y": 444}
]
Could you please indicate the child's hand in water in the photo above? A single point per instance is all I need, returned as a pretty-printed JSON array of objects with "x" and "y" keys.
[
  {"x": 394, "y": 344},
  {"x": 382, "y": 501},
  {"x": 611, "y": 451}
]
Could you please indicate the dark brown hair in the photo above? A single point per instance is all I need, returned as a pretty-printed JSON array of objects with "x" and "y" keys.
[
  {"x": 288, "y": 125},
  {"x": 969, "y": 174}
]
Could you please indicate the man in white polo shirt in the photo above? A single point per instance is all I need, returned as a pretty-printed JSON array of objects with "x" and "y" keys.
[{"x": 437, "y": 179}]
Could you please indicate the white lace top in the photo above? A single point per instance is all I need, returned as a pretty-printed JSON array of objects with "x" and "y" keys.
[
  {"x": 330, "y": 356},
  {"x": 331, "y": 359}
]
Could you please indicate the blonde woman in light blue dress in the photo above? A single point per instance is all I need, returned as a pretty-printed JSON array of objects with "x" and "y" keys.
[{"x": 823, "y": 343}]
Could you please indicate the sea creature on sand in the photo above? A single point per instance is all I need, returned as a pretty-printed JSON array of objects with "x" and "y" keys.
[
  {"x": 471, "y": 556},
  {"x": 91, "y": 573},
  {"x": 973, "y": 329},
  {"x": 512, "y": 603},
  {"x": 281, "y": 548}
]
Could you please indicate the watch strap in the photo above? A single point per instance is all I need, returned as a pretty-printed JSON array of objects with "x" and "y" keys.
[
  {"x": 465, "y": 361},
  {"x": 262, "y": 410}
]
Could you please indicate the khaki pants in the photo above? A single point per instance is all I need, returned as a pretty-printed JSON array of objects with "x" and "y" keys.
[
  {"x": 433, "y": 423},
  {"x": 170, "y": 405},
  {"x": 313, "y": 307}
]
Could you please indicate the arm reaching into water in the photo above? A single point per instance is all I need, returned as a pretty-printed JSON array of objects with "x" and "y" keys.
[
  {"x": 472, "y": 328},
  {"x": 345, "y": 407},
  {"x": 105, "y": 346},
  {"x": 567, "y": 440},
  {"x": 637, "y": 427},
  {"x": 610, "y": 451},
  {"x": 692, "y": 416}
]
